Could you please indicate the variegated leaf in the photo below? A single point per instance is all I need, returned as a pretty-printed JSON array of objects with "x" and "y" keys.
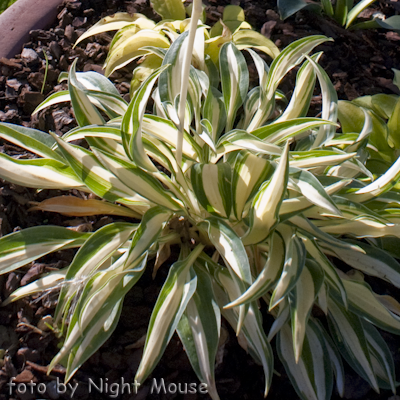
[
  {"x": 245, "y": 38},
  {"x": 348, "y": 332},
  {"x": 35, "y": 141},
  {"x": 331, "y": 276},
  {"x": 199, "y": 329},
  {"x": 249, "y": 172},
  {"x": 301, "y": 300},
  {"x": 311, "y": 375},
  {"x": 212, "y": 185},
  {"x": 128, "y": 50},
  {"x": 300, "y": 101},
  {"x": 115, "y": 22},
  {"x": 295, "y": 257},
  {"x": 85, "y": 112},
  {"x": 171, "y": 303},
  {"x": 98, "y": 179},
  {"x": 166, "y": 131},
  {"x": 278, "y": 132},
  {"x": 131, "y": 127},
  {"x": 234, "y": 80},
  {"x": 97, "y": 249},
  {"x": 264, "y": 212},
  {"x": 312, "y": 189},
  {"x": 214, "y": 111},
  {"x": 238, "y": 140},
  {"x": 134, "y": 177},
  {"x": 270, "y": 273},
  {"x": 97, "y": 313},
  {"x": 77, "y": 207},
  {"x": 50, "y": 281},
  {"x": 363, "y": 302},
  {"x": 291, "y": 56},
  {"x": 251, "y": 333},
  {"x": 382, "y": 359},
  {"x": 41, "y": 173},
  {"x": 371, "y": 260},
  {"x": 329, "y": 105},
  {"x": 380, "y": 185},
  {"x": 20, "y": 248},
  {"x": 231, "y": 249}
]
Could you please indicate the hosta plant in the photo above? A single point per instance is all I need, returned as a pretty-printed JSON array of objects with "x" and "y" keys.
[
  {"x": 261, "y": 199},
  {"x": 138, "y": 37},
  {"x": 344, "y": 12}
]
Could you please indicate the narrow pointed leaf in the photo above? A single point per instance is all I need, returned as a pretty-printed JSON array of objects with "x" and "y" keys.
[
  {"x": 96, "y": 250},
  {"x": 311, "y": 376},
  {"x": 41, "y": 173},
  {"x": 212, "y": 186},
  {"x": 131, "y": 126},
  {"x": 234, "y": 80},
  {"x": 114, "y": 22},
  {"x": 249, "y": 172},
  {"x": 85, "y": 112},
  {"x": 77, "y": 207},
  {"x": 171, "y": 303},
  {"x": 136, "y": 179},
  {"x": 301, "y": 300},
  {"x": 269, "y": 274},
  {"x": 348, "y": 332},
  {"x": 131, "y": 48},
  {"x": 20, "y": 248},
  {"x": 363, "y": 303},
  {"x": 199, "y": 329},
  {"x": 372, "y": 261},
  {"x": 295, "y": 256},
  {"x": 30, "y": 139},
  {"x": 264, "y": 212},
  {"x": 312, "y": 189}
]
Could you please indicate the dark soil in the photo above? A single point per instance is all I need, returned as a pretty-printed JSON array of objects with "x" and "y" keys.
[{"x": 359, "y": 63}]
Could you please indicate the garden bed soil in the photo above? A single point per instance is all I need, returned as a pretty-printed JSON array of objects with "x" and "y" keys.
[{"x": 359, "y": 63}]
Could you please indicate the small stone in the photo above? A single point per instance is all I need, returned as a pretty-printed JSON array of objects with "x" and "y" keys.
[
  {"x": 267, "y": 28},
  {"x": 79, "y": 22},
  {"x": 55, "y": 49},
  {"x": 70, "y": 33},
  {"x": 45, "y": 323},
  {"x": 13, "y": 279},
  {"x": 30, "y": 56},
  {"x": 25, "y": 354},
  {"x": 52, "y": 390},
  {"x": 13, "y": 84},
  {"x": 74, "y": 5},
  {"x": 61, "y": 119},
  {"x": 272, "y": 15},
  {"x": 25, "y": 376},
  {"x": 60, "y": 32},
  {"x": 31, "y": 100},
  {"x": 32, "y": 274},
  {"x": 12, "y": 63}
]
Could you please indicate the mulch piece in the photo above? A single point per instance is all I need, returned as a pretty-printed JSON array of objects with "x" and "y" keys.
[{"x": 358, "y": 62}]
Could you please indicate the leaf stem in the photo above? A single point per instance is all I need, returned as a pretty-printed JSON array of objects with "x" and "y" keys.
[{"x": 187, "y": 61}]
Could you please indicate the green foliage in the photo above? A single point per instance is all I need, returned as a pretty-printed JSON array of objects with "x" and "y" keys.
[
  {"x": 344, "y": 12},
  {"x": 224, "y": 169},
  {"x": 4, "y": 4}
]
